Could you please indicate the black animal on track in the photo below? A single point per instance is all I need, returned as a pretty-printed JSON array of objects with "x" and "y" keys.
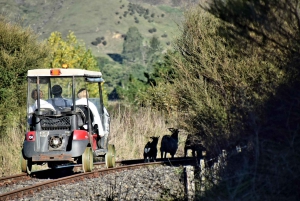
[
  {"x": 150, "y": 150},
  {"x": 169, "y": 143},
  {"x": 193, "y": 142}
]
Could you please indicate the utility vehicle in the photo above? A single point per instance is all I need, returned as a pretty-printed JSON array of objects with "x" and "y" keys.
[{"x": 66, "y": 134}]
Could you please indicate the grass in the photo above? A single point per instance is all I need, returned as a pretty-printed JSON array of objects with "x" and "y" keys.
[
  {"x": 169, "y": 9},
  {"x": 10, "y": 152},
  {"x": 131, "y": 130}
]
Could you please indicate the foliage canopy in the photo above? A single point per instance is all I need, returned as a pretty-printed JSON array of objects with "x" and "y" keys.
[{"x": 69, "y": 51}]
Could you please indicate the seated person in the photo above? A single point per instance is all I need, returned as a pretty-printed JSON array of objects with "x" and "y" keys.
[
  {"x": 83, "y": 95},
  {"x": 43, "y": 103},
  {"x": 58, "y": 100}
]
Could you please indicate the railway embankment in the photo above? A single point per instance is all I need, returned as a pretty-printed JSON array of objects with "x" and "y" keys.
[{"x": 147, "y": 183}]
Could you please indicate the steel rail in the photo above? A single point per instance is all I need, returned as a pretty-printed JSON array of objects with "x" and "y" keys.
[{"x": 4, "y": 181}]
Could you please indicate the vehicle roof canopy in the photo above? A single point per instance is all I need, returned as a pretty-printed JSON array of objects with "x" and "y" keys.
[{"x": 64, "y": 73}]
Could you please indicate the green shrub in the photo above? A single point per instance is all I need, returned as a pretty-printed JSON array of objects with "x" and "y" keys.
[{"x": 19, "y": 52}]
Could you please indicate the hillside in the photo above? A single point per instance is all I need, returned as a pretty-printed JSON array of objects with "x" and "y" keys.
[{"x": 101, "y": 25}]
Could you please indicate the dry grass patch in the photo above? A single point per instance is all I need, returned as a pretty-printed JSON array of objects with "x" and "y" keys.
[{"x": 131, "y": 130}]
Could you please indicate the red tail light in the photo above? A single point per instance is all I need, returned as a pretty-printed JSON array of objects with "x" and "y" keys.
[
  {"x": 30, "y": 136},
  {"x": 80, "y": 135}
]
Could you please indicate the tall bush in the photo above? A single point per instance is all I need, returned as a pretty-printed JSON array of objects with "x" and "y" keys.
[
  {"x": 236, "y": 85},
  {"x": 269, "y": 29},
  {"x": 219, "y": 86},
  {"x": 19, "y": 52}
]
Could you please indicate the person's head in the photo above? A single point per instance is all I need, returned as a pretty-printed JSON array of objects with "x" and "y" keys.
[
  {"x": 82, "y": 93},
  {"x": 56, "y": 90},
  {"x": 34, "y": 94}
]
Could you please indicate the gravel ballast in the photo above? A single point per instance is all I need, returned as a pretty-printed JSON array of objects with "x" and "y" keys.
[{"x": 151, "y": 183}]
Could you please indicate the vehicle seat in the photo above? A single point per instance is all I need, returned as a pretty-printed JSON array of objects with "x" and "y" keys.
[
  {"x": 83, "y": 111},
  {"x": 43, "y": 111},
  {"x": 80, "y": 117}
]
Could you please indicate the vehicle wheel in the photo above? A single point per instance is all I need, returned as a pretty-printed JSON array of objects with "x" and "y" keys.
[
  {"x": 87, "y": 160},
  {"x": 26, "y": 165},
  {"x": 110, "y": 160}
]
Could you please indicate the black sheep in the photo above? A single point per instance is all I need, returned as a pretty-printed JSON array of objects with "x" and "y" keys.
[
  {"x": 194, "y": 143},
  {"x": 169, "y": 143},
  {"x": 150, "y": 150}
]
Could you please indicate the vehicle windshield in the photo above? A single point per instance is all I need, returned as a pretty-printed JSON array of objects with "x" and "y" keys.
[
  {"x": 49, "y": 90},
  {"x": 58, "y": 92}
]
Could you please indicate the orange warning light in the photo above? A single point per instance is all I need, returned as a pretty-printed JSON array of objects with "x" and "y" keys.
[{"x": 55, "y": 72}]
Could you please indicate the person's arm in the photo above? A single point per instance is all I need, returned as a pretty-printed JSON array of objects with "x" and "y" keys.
[
  {"x": 32, "y": 108},
  {"x": 97, "y": 119}
]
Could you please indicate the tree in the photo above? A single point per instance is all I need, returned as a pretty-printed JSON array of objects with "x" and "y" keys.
[
  {"x": 20, "y": 51},
  {"x": 268, "y": 28},
  {"x": 73, "y": 53},
  {"x": 154, "y": 51},
  {"x": 131, "y": 90},
  {"x": 69, "y": 51},
  {"x": 132, "y": 45}
]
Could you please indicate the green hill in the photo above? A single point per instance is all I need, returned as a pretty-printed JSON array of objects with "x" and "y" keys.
[{"x": 104, "y": 20}]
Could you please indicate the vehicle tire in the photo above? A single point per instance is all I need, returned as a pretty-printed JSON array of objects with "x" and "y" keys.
[
  {"x": 87, "y": 160},
  {"x": 26, "y": 164},
  {"x": 110, "y": 160}
]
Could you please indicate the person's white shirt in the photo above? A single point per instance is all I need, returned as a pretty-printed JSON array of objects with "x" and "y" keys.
[
  {"x": 94, "y": 110},
  {"x": 43, "y": 104},
  {"x": 106, "y": 121}
]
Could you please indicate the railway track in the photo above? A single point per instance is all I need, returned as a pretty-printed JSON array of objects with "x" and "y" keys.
[
  {"x": 5, "y": 181},
  {"x": 71, "y": 174}
]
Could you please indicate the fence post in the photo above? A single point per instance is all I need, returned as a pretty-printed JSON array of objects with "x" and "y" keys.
[
  {"x": 202, "y": 177},
  {"x": 189, "y": 180}
]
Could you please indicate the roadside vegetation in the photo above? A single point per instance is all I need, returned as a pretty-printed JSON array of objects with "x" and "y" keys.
[
  {"x": 233, "y": 76},
  {"x": 232, "y": 79}
]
